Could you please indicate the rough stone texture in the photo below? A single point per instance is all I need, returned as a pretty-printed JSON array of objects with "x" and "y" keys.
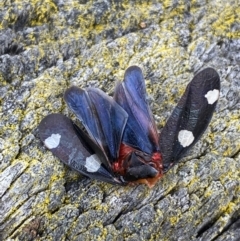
[{"x": 46, "y": 46}]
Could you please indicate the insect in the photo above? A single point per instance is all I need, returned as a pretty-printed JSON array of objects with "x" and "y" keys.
[{"x": 120, "y": 143}]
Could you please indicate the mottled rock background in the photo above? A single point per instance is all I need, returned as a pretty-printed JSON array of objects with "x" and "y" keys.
[{"x": 46, "y": 46}]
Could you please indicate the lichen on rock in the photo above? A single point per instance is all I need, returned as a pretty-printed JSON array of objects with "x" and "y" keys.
[{"x": 46, "y": 46}]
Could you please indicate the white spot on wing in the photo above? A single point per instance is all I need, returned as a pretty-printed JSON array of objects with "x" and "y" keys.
[
  {"x": 52, "y": 141},
  {"x": 92, "y": 163},
  {"x": 212, "y": 96},
  {"x": 185, "y": 138}
]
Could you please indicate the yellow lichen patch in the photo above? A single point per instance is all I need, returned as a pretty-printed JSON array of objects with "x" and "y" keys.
[
  {"x": 46, "y": 87},
  {"x": 227, "y": 22},
  {"x": 174, "y": 219},
  {"x": 85, "y": 22},
  {"x": 38, "y": 12},
  {"x": 167, "y": 3},
  {"x": 232, "y": 207},
  {"x": 44, "y": 10},
  {"x": 58, "y": 175}
]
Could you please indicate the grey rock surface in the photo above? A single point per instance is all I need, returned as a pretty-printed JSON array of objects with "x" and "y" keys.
[{"x": 47, "y": 46}]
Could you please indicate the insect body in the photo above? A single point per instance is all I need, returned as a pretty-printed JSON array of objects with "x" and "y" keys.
[{"x": 121, "y": 144}]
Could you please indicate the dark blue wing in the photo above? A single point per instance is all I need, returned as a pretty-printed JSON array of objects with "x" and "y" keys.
[
  {"x": 191, "y": 116},
  {"x": 67, "y": 142},
  {"x": 102, "y": 117},
  {"x": 140, "y": 131}
]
